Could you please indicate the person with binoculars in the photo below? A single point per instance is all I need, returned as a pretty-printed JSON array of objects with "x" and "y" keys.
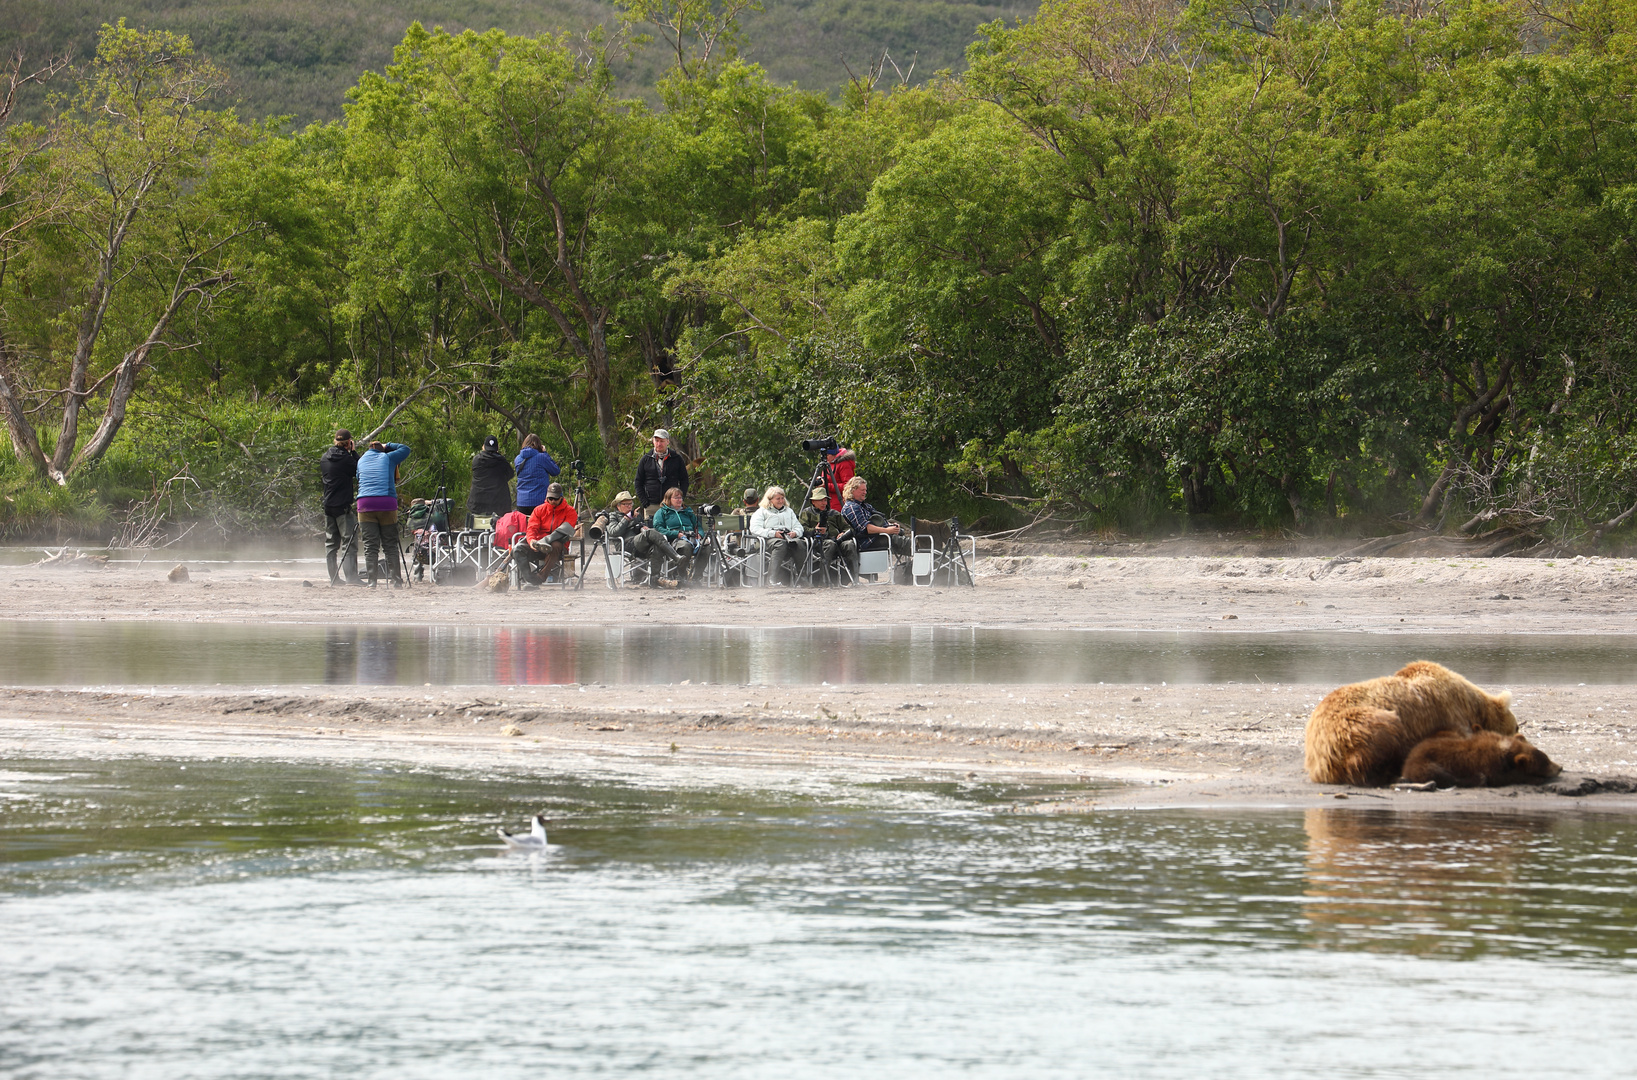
[{"x": 776, "y": 524}]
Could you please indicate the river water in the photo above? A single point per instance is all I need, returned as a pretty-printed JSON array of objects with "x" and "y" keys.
[
  {"x": 172, "y": 919},
  {"x": 161, "y": 653}
]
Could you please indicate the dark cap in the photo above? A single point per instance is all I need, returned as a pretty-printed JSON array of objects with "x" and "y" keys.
[
  {"x": 343, "y": 435},
  {"x": 554, "y": 490},
  {"x": 752, "y": 495},
  {"x": 491, "y": 443}
]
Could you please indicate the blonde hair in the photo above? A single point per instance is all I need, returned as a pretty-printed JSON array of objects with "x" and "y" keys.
[
  {"x": 852, "y": 485},
  {"x": 767, "y": 497}
]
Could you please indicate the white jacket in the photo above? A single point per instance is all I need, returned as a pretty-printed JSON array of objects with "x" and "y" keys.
[{"x": 765, "y": 522}]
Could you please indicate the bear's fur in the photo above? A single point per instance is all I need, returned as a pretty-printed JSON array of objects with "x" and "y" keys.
[
  {"x": 1361, "y": 733},
  {"x": 1482, "y": 759}
]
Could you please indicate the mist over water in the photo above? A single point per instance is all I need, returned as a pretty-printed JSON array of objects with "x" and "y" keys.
[
  {"x": 197, "y": 654},
  {"x": 227, "y": 919}
]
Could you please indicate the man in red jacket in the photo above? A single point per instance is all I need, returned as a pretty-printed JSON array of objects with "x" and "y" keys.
[{"x": 551, "y": 526}]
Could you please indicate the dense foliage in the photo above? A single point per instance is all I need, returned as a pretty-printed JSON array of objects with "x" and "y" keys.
[{"x": 1304, "y": 267}]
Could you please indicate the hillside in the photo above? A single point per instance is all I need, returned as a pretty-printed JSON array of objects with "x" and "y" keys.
[{"x": 298, "y": 57}]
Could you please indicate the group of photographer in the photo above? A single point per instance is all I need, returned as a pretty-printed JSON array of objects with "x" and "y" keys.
[
  {"x": 372, "y": 513},
  {"x": 654, "y": 524}
]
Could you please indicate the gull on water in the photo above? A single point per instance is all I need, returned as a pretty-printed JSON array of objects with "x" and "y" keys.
[{"x": 535, "y": 841}]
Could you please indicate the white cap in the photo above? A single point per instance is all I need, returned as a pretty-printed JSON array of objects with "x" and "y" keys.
[{"x": 661, "y": 433}]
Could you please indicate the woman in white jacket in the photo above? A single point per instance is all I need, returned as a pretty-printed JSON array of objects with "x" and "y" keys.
[{"x": 776, "y": 524}]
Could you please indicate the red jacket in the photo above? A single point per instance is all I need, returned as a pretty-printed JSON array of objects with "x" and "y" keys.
[
  {"x": 547, "y": 516},
  {"x": 843, "y": 469}
]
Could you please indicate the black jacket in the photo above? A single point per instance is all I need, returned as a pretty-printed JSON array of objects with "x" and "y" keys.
[
  {"x": 339, "y": 470},
  {"x": 655, "y": 477},
  {"x": 491, "y": 488}
]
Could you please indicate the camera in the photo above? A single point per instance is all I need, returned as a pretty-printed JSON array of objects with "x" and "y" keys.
[
  {"x": 820, "y": 446},
  {"x": 711, "y": 510}
]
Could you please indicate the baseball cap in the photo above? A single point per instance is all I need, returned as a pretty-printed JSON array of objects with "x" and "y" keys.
[
  {"x": 491, "y": 443},
  {"x": 752, "y": 495},
  {"x": 554, "y": 491},
  {"x": 661, "y": 433},
  {"x": 343, "y": 435}
]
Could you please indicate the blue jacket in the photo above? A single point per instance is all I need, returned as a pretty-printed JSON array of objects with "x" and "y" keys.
[
  {"x": 535, "y": 470},
  {"x": 375, "y": 471}
]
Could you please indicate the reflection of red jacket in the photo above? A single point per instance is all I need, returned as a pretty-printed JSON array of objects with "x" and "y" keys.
[
  {"x": 547, "y": 516},
  {"x": 842, "y": 470}
]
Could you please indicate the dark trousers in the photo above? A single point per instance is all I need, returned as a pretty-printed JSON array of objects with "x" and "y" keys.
[
  {"x": 380, "y": 532},
  {"x": 786, "y": 558},
  {"x": 341, "y": 546}
]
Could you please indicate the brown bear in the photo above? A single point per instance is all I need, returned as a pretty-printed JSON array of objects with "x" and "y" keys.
[
  {"x": 1361, "y": 733},
  {"x": 1482, "y": 759}
]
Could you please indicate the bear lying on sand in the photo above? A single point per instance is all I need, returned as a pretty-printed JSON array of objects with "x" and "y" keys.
[
  {"x": 1361, "y": 733},
  {"x": 1482, "y": 759}
]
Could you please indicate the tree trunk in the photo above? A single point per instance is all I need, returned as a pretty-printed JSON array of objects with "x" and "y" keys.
[
  {"x": 130, "y": 367},
  {"x": 24, "y": 441}
]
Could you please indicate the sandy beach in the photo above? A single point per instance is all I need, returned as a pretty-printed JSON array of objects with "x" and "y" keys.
[{"x": 1215, "y": 745}]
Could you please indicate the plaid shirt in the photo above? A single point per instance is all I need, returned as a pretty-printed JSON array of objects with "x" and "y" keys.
[{"x": 858, "y": 516}]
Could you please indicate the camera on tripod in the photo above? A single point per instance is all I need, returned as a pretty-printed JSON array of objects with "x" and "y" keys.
[{"x": 821, "y": 446}]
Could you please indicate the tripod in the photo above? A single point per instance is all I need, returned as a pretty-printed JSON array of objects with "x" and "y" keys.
[
  {"x": 582, "y": 508},
  {"x": 954, "y": 556}
]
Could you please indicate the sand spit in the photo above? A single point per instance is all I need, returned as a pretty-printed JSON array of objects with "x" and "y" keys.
[
  {"x": 1172, "y": 746},
  {"x": 1579, "y": 595}
]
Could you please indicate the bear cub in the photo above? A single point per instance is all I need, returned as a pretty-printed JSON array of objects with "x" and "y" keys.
[{"x": 1482, "y": 759}]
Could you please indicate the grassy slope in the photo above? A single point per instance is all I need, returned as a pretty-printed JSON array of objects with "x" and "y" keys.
[{"x": 298, "y": 57}]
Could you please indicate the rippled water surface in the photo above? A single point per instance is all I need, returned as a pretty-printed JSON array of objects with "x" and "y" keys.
[
  {"x": 223, "y": 919},
  {"x": 168, "y": 653}
]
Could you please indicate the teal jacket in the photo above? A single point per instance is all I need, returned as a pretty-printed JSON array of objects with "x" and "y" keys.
[{"x": 673, "y": 523}]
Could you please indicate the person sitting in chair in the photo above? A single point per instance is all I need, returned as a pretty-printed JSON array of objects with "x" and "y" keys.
[
  {"x": 551, "y": 526},
  {"x": 832, "y": 537},
  {"x": 622, "y": 522},
  {"x": 873, "y": 530},
  {"x": 680, "y": 528},
  {"x": 776, "y": 524}
]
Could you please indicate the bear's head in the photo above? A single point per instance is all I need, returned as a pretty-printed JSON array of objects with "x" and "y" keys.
[
  {"x": 1528, "y": 761},
  {"x": 1495, "y": 713}
]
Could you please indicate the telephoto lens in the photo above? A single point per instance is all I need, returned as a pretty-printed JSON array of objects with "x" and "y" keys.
[{"x": 711, "y": 510}]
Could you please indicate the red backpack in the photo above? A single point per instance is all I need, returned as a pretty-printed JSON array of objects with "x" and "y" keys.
[{"x": 509, "y": 526}]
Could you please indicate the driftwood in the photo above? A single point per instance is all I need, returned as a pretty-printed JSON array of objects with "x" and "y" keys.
[{"x": 1506, "y": 540}]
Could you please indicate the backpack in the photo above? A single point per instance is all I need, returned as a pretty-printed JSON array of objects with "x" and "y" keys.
[{"x": 508, "y": 527}]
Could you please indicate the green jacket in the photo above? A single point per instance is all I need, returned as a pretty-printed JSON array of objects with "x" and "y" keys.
[{"x": 673, "y": 523}]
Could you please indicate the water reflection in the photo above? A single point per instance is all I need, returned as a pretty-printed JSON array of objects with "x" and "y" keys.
[
  {"x": 1458, "y": 884},
  {"x": 81, "y": 653},
  {"x": 229, "y": 919}
]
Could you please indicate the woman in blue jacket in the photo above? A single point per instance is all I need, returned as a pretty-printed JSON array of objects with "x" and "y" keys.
[
  {"x": 535, "y": 470},
  {"x": 378, "y": 507}
]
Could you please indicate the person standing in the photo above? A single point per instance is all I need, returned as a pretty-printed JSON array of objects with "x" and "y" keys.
[
  {"x": 378, "y": 509},
  {"x": 338, "y": 468},
  {"x": 843, "y": 467},
  {"x": 491, "y": 492},
  {"x": 660, "y": 470},
  {"x": 535, "y": 472}
]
